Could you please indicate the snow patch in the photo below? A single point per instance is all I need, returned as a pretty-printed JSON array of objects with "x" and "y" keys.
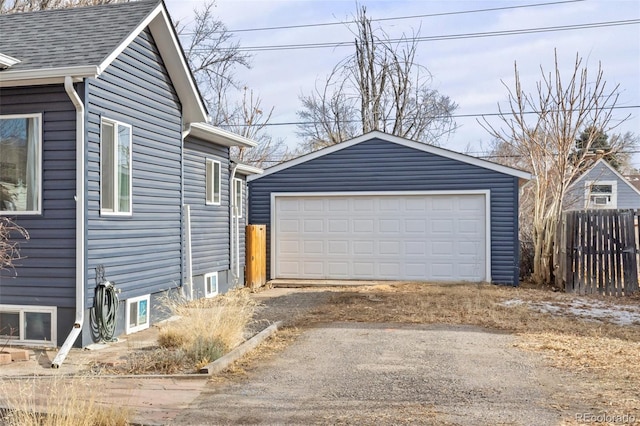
[{"x": 590, "y": 309}]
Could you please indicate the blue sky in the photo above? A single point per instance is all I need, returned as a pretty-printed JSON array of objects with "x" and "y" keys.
[{"x": 470, "y": 70}]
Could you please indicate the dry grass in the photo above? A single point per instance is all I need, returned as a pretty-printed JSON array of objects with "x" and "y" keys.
[
  {"x": 205, "y": 329},
  {"x": 59, "y": 401}
]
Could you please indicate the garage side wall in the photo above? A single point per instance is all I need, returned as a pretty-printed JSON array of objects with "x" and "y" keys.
[{"x": 378, "y": 166}]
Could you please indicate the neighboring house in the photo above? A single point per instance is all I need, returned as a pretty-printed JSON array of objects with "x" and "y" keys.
[
  {"x": 107, "y": 161},
  {"x": 380, "y": 207},
  {"x": 602, "y": 187}
]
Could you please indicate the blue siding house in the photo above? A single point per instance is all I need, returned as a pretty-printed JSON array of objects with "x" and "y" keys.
[
  {"x": 380, "y": 207},
  {"x": 107, "y": 160},
  {"x": 601, "y": 187}
]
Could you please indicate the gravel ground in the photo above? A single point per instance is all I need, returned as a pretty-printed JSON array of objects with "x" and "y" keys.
[{"x": 359, "y": 373}]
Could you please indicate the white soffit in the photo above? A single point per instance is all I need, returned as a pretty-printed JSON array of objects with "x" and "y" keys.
[{"x": 216, "y": 135}]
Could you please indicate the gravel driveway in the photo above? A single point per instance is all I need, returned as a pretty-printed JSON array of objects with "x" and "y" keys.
[{"x": 354, "y": 373}]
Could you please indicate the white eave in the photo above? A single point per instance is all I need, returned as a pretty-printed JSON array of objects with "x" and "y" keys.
[
  {"x": 9, "y": 78},
  {"x": 7, "y": 61},
  {"x": 246, "y": 170},
  {"x": 216, "y": 135}
]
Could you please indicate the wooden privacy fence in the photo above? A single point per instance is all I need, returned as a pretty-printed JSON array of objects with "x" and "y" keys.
[{"x": 596, "y": 252}]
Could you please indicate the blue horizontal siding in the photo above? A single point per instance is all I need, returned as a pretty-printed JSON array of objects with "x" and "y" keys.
[
  {"x": 378, "y": 165},
  {"x": 141, "y": 253},
  {"x": 209, "y": 223},
  {"x": 46, "y": 274}
]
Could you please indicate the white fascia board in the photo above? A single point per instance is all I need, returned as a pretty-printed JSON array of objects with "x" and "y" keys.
[
  {"x": 219, "y": 136},
  {"x": 7, "y": 61},
  {"x": 246, "y": 170},
  {"x": 10, "y": 78},
  {"x": 400, "y": 141},
  {"x": 158, "y": 21}
]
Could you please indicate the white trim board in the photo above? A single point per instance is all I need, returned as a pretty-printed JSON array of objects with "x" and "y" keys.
[
  {"x": 400, "y": 141},
  {"x": 275, "y": 195}
]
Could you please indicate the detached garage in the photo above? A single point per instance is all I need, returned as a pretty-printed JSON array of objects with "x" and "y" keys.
[{"x": 380, "y": 207}]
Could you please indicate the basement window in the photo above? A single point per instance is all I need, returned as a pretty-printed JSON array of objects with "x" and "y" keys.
[
  {"x": 28, "y": 325},
  {"x": 137, "y": 313},
  {"x": 211, "y": 284}
]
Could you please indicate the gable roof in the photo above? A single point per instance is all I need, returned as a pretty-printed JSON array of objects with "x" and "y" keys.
[
  {"x": 605, "y": 163},
  {"x": 82, "y": 42},
  {"x": 400, "y": 141}
]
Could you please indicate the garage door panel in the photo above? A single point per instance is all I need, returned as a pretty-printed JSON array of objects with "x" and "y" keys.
[
  {"x": 338, "y": 225},
  {"x": 416, "y": 237}
]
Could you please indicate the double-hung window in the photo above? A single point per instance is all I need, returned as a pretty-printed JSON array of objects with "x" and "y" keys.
[
  {"x": 21, "y": 164},
  {"x": 213, "y": 184},
  {"x": 238, "y": 196},
  {"x": 115, "y": 168}
]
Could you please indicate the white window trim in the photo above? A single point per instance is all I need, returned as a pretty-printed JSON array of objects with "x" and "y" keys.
[
  {"x": 21, "y": 310},
  {"x": 38, "y": 165},
  {"x": 138, "y": 327},
  {"x": 212, "y": 293},
  {"x": 213, "y": 202},
  {"x": 104, "y": 212},
  {"x": 237, "y": 181},
  {"x": 614, "y": 194}
]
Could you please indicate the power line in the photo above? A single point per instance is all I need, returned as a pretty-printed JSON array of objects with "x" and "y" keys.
[
  {"x": 397, "y": 18},
  {"x": 490, "y": 114},
  {"x": 460, "y": 36}
]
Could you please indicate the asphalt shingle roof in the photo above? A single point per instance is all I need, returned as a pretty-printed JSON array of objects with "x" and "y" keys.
[{"x": 69, "y": 37}]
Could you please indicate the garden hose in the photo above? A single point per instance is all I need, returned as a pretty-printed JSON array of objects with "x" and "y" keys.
[{"x": 105, "y": 310}]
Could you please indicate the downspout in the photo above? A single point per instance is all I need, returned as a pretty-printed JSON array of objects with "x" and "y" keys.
[
  {"x": 186, "y": 212},
  {"x": 233, "y": 217},
  {"x": 79, "y": 198}
]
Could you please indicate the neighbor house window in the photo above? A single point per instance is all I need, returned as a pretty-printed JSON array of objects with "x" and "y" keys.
[
  {"x": 601, "y": 194},
  {"x": 115, "y": 168},
  {"x": 213, "y": 182},
  {"x": 211, "y": 284},
  {"x": 28, "y": 324},
  {"x": 20, "y": 164},
  {"x": 238, "y": 195},
  {"x": 137, "y": 314}
]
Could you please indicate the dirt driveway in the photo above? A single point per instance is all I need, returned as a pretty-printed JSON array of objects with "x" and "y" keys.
[{"x": 364, "y": 373}]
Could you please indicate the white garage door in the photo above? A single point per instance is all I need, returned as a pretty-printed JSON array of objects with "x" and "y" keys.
[{"x": 439, "y": 237}]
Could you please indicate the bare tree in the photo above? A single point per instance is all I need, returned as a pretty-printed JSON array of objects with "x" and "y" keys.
[
  {"x": 214, "y": 57},
  {"x": 9, "y": 250},
  {"x": 17, "y": 6},
  {"x": 379, "y": 87},
  {"x": 542, "y": 129},
  {"x": 249, "y": 120}
]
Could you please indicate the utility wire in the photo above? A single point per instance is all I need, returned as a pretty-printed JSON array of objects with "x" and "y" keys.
[
  {"x": 397, "y": 18},
  {"x": 490, "y": 114},
  {"x": 461, "y": 36}
]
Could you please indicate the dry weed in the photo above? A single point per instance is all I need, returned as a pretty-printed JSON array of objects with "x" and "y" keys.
[
  {"x": 207, "y": 328},
  {"x": 59, "y": 401}
]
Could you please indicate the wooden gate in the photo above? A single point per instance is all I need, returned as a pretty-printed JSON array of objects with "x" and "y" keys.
[{"x": 597, "y": 252}]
